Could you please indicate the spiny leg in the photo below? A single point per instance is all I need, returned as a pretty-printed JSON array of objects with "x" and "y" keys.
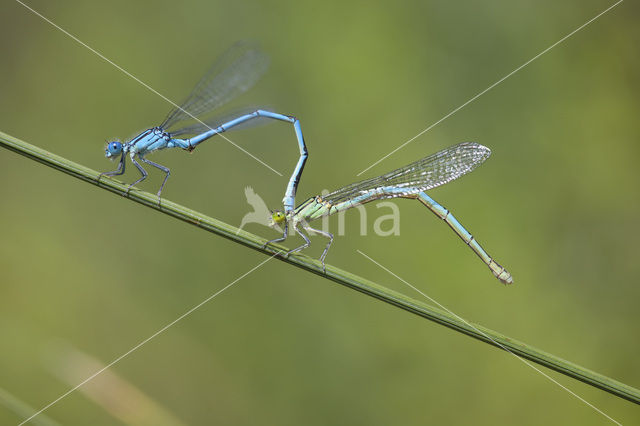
[
  {"x": 307, "y": 241},
  {"x": 281, "y": 239},
  {"x": 328, "y": 235},
  {"x": 116, "y": 172},
  {"x": 163, "y": 168},
  {"x": 142, "y": 171}
]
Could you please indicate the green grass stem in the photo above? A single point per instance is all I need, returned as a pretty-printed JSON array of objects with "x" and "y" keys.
[{"x": 339, "y": 276}]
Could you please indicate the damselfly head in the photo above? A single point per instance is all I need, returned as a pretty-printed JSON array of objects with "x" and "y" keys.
[
  {"x": 113, "y": 148},
  {"x": 277, "y": 217}
]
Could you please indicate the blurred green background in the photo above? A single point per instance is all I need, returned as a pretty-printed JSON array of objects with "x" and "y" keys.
[{"x": 87, "y": 275}]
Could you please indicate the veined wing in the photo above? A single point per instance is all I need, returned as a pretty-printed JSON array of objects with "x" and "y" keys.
[
  {"x": 427, "y": 173},
  {"x": 233, "y": 73}
]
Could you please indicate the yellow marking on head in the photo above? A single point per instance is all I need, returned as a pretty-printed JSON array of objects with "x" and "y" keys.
[{"x": 278, "y": 217}]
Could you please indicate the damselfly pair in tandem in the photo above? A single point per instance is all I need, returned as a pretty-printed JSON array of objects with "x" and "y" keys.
[{"x": 236, "y": 71}]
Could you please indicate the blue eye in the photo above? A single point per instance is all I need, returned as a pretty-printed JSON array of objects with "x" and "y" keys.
[{"x": 113, "y": 148}]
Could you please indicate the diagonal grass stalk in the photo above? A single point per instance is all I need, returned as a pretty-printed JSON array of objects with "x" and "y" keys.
[{"x": 339, "y": 276}]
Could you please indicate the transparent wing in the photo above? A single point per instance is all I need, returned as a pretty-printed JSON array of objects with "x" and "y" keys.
[
  {"x": 233, "y": 73},
  {"x": 427, "y": 173}
]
